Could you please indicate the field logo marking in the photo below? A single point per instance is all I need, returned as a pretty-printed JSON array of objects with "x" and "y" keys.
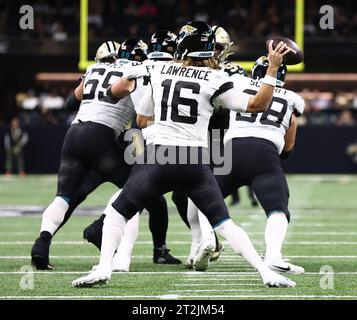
[
  {"x": 327, "y": 280},
  {"x": 27, "y": 281}
]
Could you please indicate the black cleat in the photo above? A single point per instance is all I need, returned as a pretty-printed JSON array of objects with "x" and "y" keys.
[
  {"x": 162, "y": 256},
  {"x": 40, "y": 255},
  {"x": 93, "y": 233}
]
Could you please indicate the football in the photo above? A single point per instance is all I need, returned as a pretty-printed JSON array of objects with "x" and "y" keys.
[{"x": 295, "y": 56}]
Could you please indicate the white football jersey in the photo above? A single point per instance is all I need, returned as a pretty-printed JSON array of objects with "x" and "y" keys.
[
  {"x": 97, "y": 107},
  {"x": 271, "y": 124},
  {"x": 182, "y": 101}
]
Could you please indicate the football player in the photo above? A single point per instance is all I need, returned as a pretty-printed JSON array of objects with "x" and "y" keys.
[
  {"x": 91, "y": 154},
  {"x": 258, "y": 140},
  {"x": 161, "y": 48},
  {"x": 182, "y": 96}
]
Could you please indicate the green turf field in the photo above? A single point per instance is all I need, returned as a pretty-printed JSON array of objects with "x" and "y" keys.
[{"x": 322, "y": 237}]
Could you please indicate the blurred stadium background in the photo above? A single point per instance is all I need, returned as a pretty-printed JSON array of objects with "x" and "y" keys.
[{"x": 40, "y": 67}]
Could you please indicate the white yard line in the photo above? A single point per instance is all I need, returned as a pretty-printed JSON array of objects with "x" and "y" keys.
[
  {"x": 216, "y": 284},
  {"x": 176, "y": 296},
  {"x": 4, "y": 243},
  {"x": 231, "y": 256}
]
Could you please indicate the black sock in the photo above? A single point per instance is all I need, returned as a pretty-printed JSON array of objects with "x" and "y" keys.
[
  {"x": 45, "y": 236},
  {"x": 181, "y": 201},
  {"x": 158, "y": 221},
  {"x": 101, "y": 218}
]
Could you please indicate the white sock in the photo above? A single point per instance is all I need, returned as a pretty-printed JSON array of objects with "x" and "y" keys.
[
  {"x": 240, "y": 243},
  {"x": 206, "y": 228},
  {"x": 193, "y": 220},
  {"x": 113, "y": 229},
  {"x": 109, "y": 207},
  {"x": 54, "y": 214},
  {"x": 130, "y": 235},
  {"x": 275, "y": 232}
]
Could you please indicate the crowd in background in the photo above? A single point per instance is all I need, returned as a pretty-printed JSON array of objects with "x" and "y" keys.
[
  {"x": 46, "y": 106},
  {"x": 59, "y": 19}
]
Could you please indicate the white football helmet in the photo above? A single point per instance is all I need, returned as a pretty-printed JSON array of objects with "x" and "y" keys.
[
  {"x": 106, "y": 50},
  {"x": 223, "y": 43}
]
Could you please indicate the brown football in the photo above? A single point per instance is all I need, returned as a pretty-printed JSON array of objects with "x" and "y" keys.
[{"x": 295, "y": 56}]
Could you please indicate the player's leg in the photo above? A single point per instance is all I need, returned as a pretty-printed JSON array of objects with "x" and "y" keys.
[
  {"x": 112, "y": 167},
  {"x": 71, "y": 170},
  {"x": 138, "y": 190},
  {"x": 209, "y": 200},
  {"x": 158, "y": 224},
  {"x": 83, "y": 146},
  {"x": 180, "y": 200},
  {"x": 273, "y": 193}
]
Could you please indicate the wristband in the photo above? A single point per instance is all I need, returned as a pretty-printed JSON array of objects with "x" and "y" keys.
[{"x": 269, "y": 80}]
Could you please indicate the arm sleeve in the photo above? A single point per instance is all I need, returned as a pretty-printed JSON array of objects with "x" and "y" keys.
[
  {"x": 147, "y": 105},
  {"x": 227, "y": 96}
]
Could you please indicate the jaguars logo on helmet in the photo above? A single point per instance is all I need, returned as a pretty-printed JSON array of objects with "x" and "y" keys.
[
  {"x": 108, "y": 49},
  {"x": 133, "y": 49},
  {"x": 196, "y": 40},
  {"x": 162, "y": 45},
  {"x": 260, "y": 68}
]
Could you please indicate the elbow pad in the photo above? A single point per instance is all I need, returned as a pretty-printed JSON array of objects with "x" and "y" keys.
[{"x": 72, "y": 103}]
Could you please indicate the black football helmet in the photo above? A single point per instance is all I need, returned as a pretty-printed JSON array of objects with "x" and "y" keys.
[
  {"x": 133, "y": 49},
  {"x": 260, "y": 69},
  {"x": 196, "y": 40},
  {"x": 162, "y": 45}
]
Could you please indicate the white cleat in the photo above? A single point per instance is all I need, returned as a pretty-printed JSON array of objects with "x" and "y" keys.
[
  {"x": 121, "y": 264},
  {"x": 274, "y": 280},
  {"x": 203, "y": 255},
  {"x": 217, "y": 252},
  {"x": 283, "y": 267},
  {"x": 189, "y": 262},
  {"x": 92, "y": 279}
]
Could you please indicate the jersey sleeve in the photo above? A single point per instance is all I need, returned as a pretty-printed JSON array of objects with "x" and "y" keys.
[
  {"x": 297, "y": 104},
  {"x": 147, "y": 105},
  {"x": 134, "y": 70},
  {"x": 230, "y": 95}
]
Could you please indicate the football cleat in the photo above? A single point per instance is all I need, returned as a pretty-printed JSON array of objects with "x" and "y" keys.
[
  {"x": 193, "y": 251},
  {"x": 121, "y": 263},
  {"x": 162, "y": 256},
  {"x": 202, "y": 258},
  {"x": 93, "y": 233},
  {"x": 94, "y": 278},
  {"x": 281, "y": 266},
  {"x": 217, "y": 252},
  {"x": 40, "y": 255},
  {"x": 274, "y": 280}
]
